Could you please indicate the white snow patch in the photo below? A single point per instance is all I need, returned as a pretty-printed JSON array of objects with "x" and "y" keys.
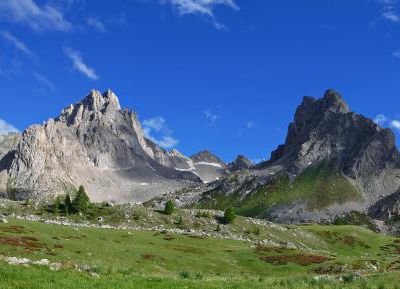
[{"x": 209, "y": 164}]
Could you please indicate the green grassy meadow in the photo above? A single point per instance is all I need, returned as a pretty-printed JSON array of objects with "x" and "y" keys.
[{"x": 308, "y": 256}]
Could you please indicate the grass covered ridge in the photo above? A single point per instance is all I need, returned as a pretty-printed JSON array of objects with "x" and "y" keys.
[{"x": 319, "y": 187}]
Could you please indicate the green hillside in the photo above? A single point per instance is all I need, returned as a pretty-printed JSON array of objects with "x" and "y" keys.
[{"x": 318, "y": 187}]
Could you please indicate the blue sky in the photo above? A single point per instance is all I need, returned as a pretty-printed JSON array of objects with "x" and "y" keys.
[{"x": 223, "y": 75}]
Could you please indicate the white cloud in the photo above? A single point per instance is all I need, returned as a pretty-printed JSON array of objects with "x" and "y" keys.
[
  {"x": 389, "y": 11},
  {"x": 395, "y": 124},
  {"x": 391, "y": 16},
  {"x": 6, "y": 128},
  {"x": 380, "y": 119},
  {"x": 16, "y": 43},
  {"x": 39, "y": 18},
  {"x": 396, "y": 54},
  {"x": 210, "y": 117},
  {"x": 158, "y": 126},
  {"x": 250, "y": 124},
  {"x": 80, "y": 65},
  {"x": 202, "y": 7},
  {"x": 156, "y": 123},
  {"x": 42, "y": 79},
  {"x": 96, "y": 24}
]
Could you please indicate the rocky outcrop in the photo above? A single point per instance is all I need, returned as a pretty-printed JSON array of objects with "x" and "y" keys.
[
  {"x": 386, "y": 208},
  {"x": 97, "y": 144}
]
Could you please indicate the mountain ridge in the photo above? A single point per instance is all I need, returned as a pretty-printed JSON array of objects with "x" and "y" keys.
[{"x": 333, "y": 161}]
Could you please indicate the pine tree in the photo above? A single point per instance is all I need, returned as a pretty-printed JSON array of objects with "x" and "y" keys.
[
  {"x": 68, "y": 208},
  {"x": 229, "y": 216},
  {"x": 58, "y": 205},
  {"x": 81, "y": 201},
  {"x": 169, "y": 208}
]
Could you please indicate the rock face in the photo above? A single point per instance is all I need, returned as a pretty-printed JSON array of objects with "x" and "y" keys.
[
  {"x": 386, "y": 208},
  {"x": 8, "y": 144},
  {"x": 97, "y": 144},
  {"x": 325, "y": 130},
  {"x": 332, "y": 162}
]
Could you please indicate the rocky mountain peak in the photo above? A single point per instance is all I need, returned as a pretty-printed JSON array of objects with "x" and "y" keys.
[
  {"x": 94, "y": 104},
  {"x": 206, "y": 157},
  {"x": 241, "y": 163},
  {"x": 333, "y": 100},
  {"x": 97, "y": 101},
  {"x": 325, "y": 130}
]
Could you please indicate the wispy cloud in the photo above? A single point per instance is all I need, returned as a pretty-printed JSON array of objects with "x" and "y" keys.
[
  {"x": 395, "y": 124},
  {"x": 202, "y": 7},
  {"x": 380, "y": 119},
  {"x": 96, "y": 24},
  {"x": 383, "y": 120},
  {"x": 39, "y": 18},
  {"x": 391, "y": 16},
  {"x": 396, "y": 54},
  {"x": 18, "y": 44},
  {"x": 156, "y": 130},
  {"x": 80, "y": 65},
  {"x": 6, "y": 128},
  {"x": 389, "y": 11},
  {"x": 47, "y": 83},
  {"x": 250, "y": 124},
  {"x": 210, "y": 117}
]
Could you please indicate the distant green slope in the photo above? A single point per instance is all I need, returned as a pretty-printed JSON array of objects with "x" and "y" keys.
[{"x": 318, "y": 187}]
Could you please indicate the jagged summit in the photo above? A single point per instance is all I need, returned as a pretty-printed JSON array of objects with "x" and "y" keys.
[
  {"x": 92, "y": 106},
  {"x": 326, "y": 132},
  {"x": 241, "y": 163},
  {"x": 326, "y": 129},
  {"x": 206, "y": 157}
]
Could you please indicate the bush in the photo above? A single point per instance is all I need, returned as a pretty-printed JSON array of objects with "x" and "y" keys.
[
  {"x": 185, "y": 275},
  {"x": 229, "y": 216},
  {"x": 348, "y": 278},
  {"x": 169, "y": 208},
  {"x": 199, "y": 276},
  {"x": 200, "y": 214},
  {"x": 180, "y": 223},
  {"x": 254, "y": 230}
]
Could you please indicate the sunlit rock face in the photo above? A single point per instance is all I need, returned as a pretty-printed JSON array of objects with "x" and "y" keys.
[{"x": 99, "y": 145}]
